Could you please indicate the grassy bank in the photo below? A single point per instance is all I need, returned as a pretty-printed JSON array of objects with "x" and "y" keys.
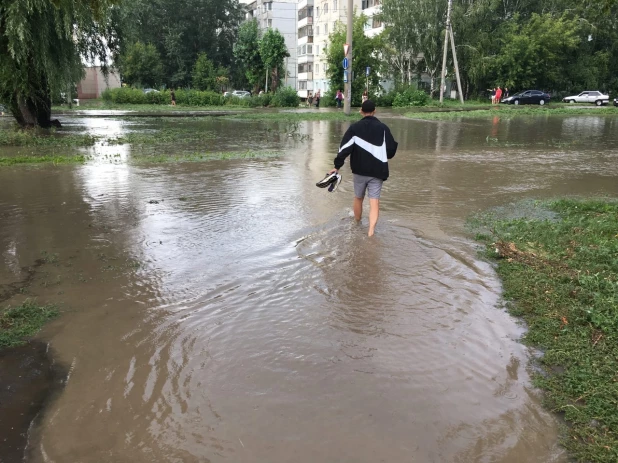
[
  {"x": 42, "y": 137},
  {"x": 137, "y": 158},
  {"x": 428, "y": 113},
  {"x": 19, "y": 323},
  {"x": 560, "y": 275},
  {"x": 297, "y": 115},
  {"x": 43, "y": 159},
  {"x": 203, "y": 156}
]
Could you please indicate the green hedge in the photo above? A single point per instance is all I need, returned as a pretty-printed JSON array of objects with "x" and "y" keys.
[{"x": 283, "y": 98}]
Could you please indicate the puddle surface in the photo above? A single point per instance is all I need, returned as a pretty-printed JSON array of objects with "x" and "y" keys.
[{"x": 232, "y": 311}]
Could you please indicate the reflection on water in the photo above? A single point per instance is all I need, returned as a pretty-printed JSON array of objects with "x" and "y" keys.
[{"x": 233, "y": 311}]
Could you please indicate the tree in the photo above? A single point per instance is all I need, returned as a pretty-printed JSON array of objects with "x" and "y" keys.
[
  {"x": 41, "y": 48},
  {"x": 141, "y": 65},
  {"x": 366, "y": 52},
  {"x": 182, "y": 29},
  {"x": 517, "y": 63},
  {"x": 415, "y": 36},
  {"x": 204, "y": 74},
  {"x": 247, "y": 54},
  {"x": 273, "y": 52}
]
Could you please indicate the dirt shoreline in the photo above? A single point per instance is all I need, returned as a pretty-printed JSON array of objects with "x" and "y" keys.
[{"x": 30, "y": 378}]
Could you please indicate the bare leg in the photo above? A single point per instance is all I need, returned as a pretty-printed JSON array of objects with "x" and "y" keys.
[
  {"x": 358, "y": 209},
  {"x": 374, "y": 212}
]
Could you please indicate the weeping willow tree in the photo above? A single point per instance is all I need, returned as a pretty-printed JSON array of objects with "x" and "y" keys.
[{"x": 42, "y": 44}]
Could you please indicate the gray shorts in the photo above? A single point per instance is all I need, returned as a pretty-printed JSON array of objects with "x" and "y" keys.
[{"x": 371, "y": 184}]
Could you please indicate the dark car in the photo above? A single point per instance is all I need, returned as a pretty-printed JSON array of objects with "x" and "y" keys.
[{"x": 528, "y": 97}]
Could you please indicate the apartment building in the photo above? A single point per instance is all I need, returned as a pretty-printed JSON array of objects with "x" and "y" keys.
[
  {"x": 316, "y": 21},
  {"x": 280, "y": 15},
  {"x": 371, "y": 8}
]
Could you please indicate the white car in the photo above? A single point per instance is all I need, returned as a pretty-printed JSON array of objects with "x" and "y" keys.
[
  {"x": 592, "y": 97},
  {"x": 241, "y": 93}
]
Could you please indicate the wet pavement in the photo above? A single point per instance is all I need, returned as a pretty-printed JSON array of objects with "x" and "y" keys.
[{"x": 231, "y": 311}]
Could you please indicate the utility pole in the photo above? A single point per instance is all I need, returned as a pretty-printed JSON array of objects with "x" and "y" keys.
[
  {"x": 347, "y": 97},
  {"x": 266, "y": 91},
  {"x": 449, "y": 34}
]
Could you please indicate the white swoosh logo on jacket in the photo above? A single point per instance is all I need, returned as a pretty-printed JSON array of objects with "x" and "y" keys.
[{"x": 378, "y": 152}]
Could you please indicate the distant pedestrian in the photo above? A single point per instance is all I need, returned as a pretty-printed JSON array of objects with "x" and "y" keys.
[
  {"x": 317, "y": 99},
  {"x": 339, "y": 98},
  {"x": 506, "y": 92},
  {"x": 493, "y": 95},
  {"x": 309, "y": 99},
  {"x": 498, "y": 95},
  {"x": 173, "y": 95},
  {"x": 365, "y": 96}
]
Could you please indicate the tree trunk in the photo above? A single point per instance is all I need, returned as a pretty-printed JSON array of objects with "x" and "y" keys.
[{"x": 29, "y": 112}]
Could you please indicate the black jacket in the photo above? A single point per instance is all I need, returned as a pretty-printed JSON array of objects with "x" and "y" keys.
[{"x": 371, "y": 144}]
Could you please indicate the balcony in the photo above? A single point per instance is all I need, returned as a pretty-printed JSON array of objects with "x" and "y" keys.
[
  {"x": 306, "y": 21},
  {"x": 305, "y": 76},
  {"x": 370, "y": 3}
]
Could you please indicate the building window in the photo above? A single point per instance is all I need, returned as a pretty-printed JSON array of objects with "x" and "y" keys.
[
  {"x": 270, "y": 23},
  {"x": 317, "y": 30},
  {"x": 326, "y": 29},
  {"x": 376, "y": 23},
  {"x": 310, "y": 49},
  {"x": 334, "y": 26},
  {"x": 367, "y": 25},
  {"x": 334, "y": 5},
  {"x": 326, "y": 8},
  {"x": 268, "y": 6},
  {"x": 317, "y": 11},
  {"x": 317, "y": 49},
  {"x": 317, "y": 68}
]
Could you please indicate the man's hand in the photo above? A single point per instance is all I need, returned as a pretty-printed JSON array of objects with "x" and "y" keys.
[{"x": 334, "y": 171}]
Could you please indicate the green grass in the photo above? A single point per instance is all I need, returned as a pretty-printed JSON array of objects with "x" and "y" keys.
[
  {"x": 163, "y": 136},
  {"x": 19, "y": 323},
  {"x": 560, "y": 274},
  {"x": 148, "y": 108},
  {"x": 508, "y": 112},
  {"x": 40, "y": 137},
  {"x": 201, "y": 157},
  {"x": 44, "y": 159},
  {"x": 294, "y": 115}
]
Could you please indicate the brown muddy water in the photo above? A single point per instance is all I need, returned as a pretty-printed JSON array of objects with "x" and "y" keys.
[{"x": 232, "y": 311}]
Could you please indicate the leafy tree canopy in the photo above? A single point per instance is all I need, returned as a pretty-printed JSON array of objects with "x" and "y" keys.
[
  {"x": 141, "y": 65},
  {"x": 42, "y": 44},
  {"x": 366, "y": 51}
]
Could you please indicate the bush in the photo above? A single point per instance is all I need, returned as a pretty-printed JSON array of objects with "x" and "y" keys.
[
  {"x": 386, "y": 99},
  {"x": 411, "y": 97},
  {"x": 127, "y": 95},
  {"x": 107, "y": 95},
  {"x": 286, "y": 97}
]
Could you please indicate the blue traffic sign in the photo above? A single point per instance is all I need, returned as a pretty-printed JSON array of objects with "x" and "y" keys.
[
  {"x": 367, "y": 71},
  {"x": 345, "y": 77},
  {"x": 346, "y": 63}
]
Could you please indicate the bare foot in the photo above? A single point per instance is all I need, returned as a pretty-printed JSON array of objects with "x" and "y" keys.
[{"x": 370, "y": 233}]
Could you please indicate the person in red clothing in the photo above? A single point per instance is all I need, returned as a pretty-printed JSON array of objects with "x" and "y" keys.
[{"x": 498, "y": 95}]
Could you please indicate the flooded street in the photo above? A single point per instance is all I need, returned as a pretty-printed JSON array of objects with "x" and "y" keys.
[{"x": 229, "y": 310}]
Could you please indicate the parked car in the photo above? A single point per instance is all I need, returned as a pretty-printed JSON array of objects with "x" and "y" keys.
[
  {"x": 588, "y": 96},
  {"x": 149, "y": 90},
  {"x": 528, "y": 97},
  {"x": 615, "y": 101},
  {"x": 238, "y": 94}
]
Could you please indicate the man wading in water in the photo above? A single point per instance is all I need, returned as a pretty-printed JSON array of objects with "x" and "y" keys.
[{"x": 371, "y": 145}]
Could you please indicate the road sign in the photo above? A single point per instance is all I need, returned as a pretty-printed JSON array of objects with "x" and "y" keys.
[
  {"x": 367, "y": 71},
  {"x": 346, "y": 63},
  {"x": 345, "y": 77},
  {"x": 346, "y": 49}
]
